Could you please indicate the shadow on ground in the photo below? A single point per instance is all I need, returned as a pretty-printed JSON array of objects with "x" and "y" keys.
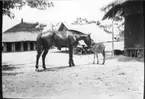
[
  {"x": 53, "y": 68},
  {"x": 122, "y": 58},
  {"x": 9, "y": 67},
  {"x": 64, "y": 51},
  {"x": 11, "y": 74},
  {"x": 8, "y": 70},
  {"x": 64, "y": 67}
]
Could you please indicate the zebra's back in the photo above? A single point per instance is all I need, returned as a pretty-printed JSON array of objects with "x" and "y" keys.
[{"x": 98, "y": 47}]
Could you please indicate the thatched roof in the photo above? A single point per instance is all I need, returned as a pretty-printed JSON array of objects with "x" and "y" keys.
[
  {"x": 23, "y": 26},
  {"x": 19, "y": 36},
  {"x": 117, "y": 7},
  {"x": 21, "y": 32}
]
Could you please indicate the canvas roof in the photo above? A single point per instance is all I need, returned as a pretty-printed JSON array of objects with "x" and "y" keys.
[{"x": 97, "y": 34}]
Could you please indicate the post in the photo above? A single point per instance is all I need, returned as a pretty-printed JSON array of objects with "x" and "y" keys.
[
  {"x": 35, "y": 45},
  {"x": 22, "y": 47},
  {"x": 34, "y": 48},
  {"x": 113, "y": 32},
  {"x": 13, "y": 47},
  {"x": 4, "y": 47},
  {"x": 28, "y": 46}
]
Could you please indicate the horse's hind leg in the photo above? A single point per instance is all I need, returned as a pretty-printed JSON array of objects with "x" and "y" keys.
[
  {"x": 43, "y": 58},
  {"x": 37, "y": 58},
  {"x": 103, "y": 53}
]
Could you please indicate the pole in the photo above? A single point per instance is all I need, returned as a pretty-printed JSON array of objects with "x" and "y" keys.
[{"x": 113, "y": 32}]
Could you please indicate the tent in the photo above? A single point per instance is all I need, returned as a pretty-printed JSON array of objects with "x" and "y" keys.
[{"x": 97, "y": 34}]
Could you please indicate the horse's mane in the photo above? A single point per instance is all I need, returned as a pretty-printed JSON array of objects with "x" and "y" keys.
[{"x": 77, "y": 32}]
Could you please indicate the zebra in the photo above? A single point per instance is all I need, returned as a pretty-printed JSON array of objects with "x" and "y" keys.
[{"x": 98, "y": 48}]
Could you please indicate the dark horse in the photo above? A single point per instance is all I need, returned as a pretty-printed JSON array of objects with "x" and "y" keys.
[{"x": 59, "y": 39}]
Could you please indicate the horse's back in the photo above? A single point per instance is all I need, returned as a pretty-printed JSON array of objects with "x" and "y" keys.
[
  {"x": 45, "y": 40},
  {"x": 64, "y": 37}
]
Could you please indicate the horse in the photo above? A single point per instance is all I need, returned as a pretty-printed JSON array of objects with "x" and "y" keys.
[
  {"x": 59, "y": 39},
  {"x": 98, "y": 48}
]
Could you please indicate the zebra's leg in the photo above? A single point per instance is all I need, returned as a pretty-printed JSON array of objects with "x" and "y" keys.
[
  {"x": 97, "y": 58},
  {"x": 94, "y": 59},
  {"x": 103, "y": 56}
]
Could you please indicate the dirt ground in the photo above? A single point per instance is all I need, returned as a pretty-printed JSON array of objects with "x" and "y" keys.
[{"x": 120, "y": 78}]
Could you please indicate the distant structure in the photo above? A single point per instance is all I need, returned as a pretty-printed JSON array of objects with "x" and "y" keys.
[
  {"x": 62, "y": 27},
  {"x": 132, "y": 11},
  {"x": 97, "y": 34},
  {"x": 21, "y": 37}
]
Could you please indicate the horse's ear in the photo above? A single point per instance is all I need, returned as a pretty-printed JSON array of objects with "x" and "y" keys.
[{"x": 89, "y": 34}]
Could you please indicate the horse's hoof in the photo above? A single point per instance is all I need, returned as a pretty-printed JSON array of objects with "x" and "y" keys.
[
  {"x": 36, "y": 69},
  {"x": 73, "y": 64},
  {"x": 44, "y": 68}
]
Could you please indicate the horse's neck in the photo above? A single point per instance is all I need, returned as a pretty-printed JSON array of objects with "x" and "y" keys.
[
  {"x": 79, "y": 37},
  {"x": 92, "y": 42}
]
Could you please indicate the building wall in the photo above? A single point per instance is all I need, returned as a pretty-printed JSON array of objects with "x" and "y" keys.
[
  {"x": 19, "y": 46},
  {"x": 133, "y": 7},
  {"x": 134, "y": 31}
]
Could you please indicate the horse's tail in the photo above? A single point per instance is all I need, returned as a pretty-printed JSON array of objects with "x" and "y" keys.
[{"x": 39, "y": 43}]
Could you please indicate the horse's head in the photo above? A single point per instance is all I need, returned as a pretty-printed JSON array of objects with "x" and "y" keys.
[{"x": 88, "y": 39}]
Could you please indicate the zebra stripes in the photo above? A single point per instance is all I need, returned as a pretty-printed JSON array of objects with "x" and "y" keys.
[{"x": 98, "y": 48}]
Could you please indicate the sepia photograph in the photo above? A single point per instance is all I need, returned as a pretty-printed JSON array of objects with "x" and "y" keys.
[{"x": 72, "y": 49}]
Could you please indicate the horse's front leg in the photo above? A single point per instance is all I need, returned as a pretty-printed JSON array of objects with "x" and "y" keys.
[
  {"x": 103, "y": 56},
  {"x": 43, "y": 58},
  {"x": 71, "y": 62}
]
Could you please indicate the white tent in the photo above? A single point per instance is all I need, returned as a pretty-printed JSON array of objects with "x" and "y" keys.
[{"x": 97, "y": 34}]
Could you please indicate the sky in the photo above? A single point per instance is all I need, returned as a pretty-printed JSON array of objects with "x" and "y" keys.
[{"x": 63, "y": 11}]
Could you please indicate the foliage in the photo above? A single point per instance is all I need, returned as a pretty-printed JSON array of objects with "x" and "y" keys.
[
  {"x": 118, "y": 22},
  {"x": 80, "y": 21},
  {"x": 40, "y": 26},
  {"x": 18, "y": 4},
  {"x": 83, "y": 21}
]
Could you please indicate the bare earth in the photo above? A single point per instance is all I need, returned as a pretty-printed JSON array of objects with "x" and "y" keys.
[{"x": 120, "y": 78}]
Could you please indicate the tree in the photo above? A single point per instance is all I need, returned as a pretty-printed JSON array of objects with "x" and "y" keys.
[
  {"x": 18, "y": 4},
  {"x": 40, "y": 26},
  {"x": 80, "y": 21},
  {"x": 118, "y": 23}
]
